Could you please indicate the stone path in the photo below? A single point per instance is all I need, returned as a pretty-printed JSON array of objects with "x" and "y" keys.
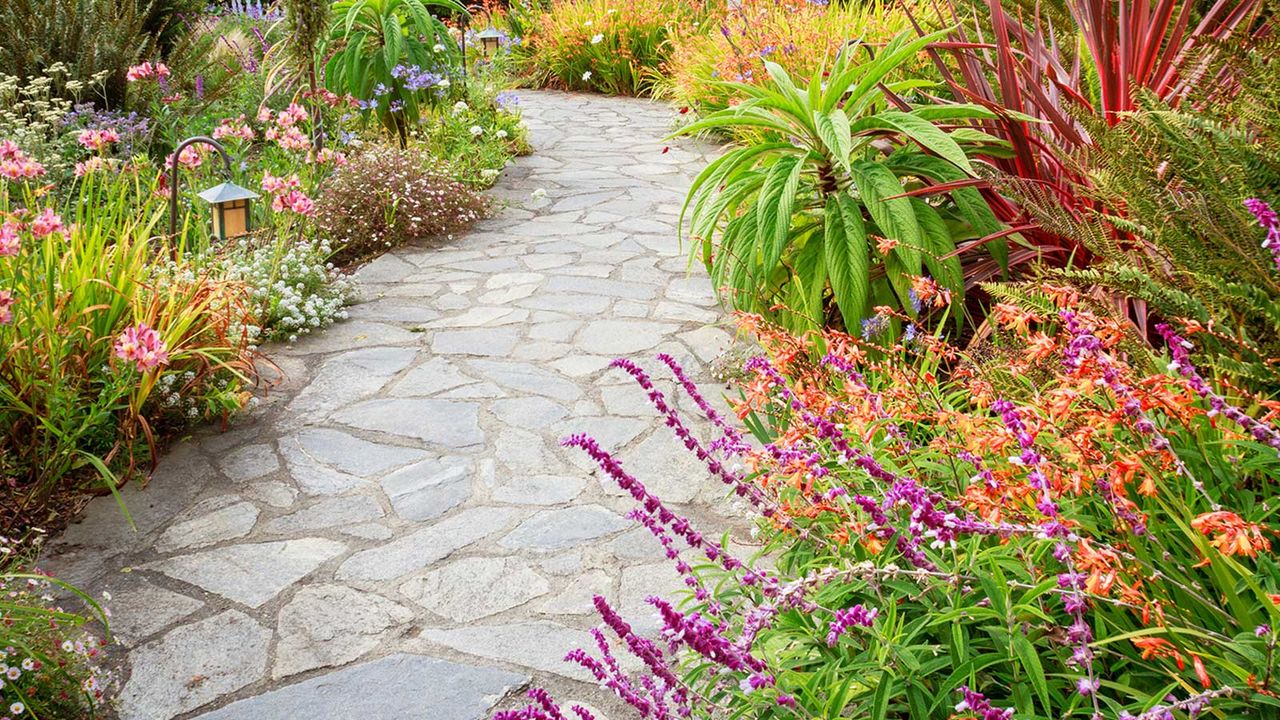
[{"x": 395, "y": 532}]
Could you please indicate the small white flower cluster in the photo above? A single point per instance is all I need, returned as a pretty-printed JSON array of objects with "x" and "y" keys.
[
  {"x": 169, "y": 389},
  {"x": 294, "y": 286}
]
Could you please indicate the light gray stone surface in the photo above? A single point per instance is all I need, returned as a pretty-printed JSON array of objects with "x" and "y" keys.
[{"x": 397, "y": 531}]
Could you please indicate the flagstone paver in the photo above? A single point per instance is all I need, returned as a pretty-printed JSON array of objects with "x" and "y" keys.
[{"x": 396, "y": 531}]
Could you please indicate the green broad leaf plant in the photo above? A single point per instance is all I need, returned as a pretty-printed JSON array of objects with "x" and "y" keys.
[
  {"x": 849, "y": 194},
  {"x": 380, "y": 51}
]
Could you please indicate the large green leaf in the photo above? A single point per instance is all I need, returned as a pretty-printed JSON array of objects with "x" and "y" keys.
[
  {"x": 837, "y": 135},
  {"x": 920, "y": 131},
  {"x": 847, "y": 258},
  {"x": 881, "y": 191},
  {"x": 774, "y": 208}
]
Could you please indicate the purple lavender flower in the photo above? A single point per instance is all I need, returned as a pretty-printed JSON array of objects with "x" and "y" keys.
[{"x": 1270, "y": 222}]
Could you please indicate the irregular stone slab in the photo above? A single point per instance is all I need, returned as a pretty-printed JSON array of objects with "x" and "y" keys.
[
  {"x": 351, "y": 376},
  {"x": 397, "y": 686},
  {"x": 521, "y": 489},
  {"x": 182, "y": 473},
  {"x": 140, "y": 609},
  {"x": 665, "y": 466},
  {"x": 393, "y": 310},
  {"x": 209, "y": 523},
  {"x": 539, "y": 645},
  {"x": 577, "y": 598},
  {"x": 528, "y": 411},
  {"x": 430, "y": 488},
  {"x": 474, "y": 588},
  {"x": 330, "y": 512},
  {"x": 331, "y": 625},
  {"x": 528, "y": 378},
  {"x": 249, "y": 462},
  {"x": 194, "y": 665},
  {"x": 482, "y": 316},
  {"x": 434, "y": 376},
  {"x": 325, "y": 461},
  {"x": 368, "y": 531},
  {"x": 253, "y": 573},
  {"x": 478, "y": 341},
  {"x": 443, "y": 422},
  {"x": 424, "y": 547},
  {"x": 354, "y": 333},
  {"x": 275, "y": 494},
  {"x": 556, "y": 529},
  {"x": 622, "y": 337},
  {"x": 642, "y": 581}
]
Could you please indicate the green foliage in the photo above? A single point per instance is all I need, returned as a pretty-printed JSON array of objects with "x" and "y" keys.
[
  {"x": 72, "y": 412},
  {"x": 373, "y": 42},
  {"x": 797, "y": 219},
  {"x": 59, "y": 666},
  {"x": 1189, "y": 249},
  {"x": 609, "y": 46},
  {"x": 89, "y": 37}
]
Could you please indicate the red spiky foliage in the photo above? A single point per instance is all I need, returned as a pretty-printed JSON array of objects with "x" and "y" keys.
[{"x": 1040, "y": 92}]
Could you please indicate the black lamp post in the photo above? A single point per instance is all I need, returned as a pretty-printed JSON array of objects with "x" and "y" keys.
[{"x": 230, "y": 203}]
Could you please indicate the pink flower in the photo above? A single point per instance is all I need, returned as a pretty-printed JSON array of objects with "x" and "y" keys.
[
  {"x": 160, "y": 71},
  {"x": 275, "y": 185},
  {"x": 98, "y": 139},
  {"x": 294, "y": 201},
  {"x": 10, "y": 241},
  {"x": 143, "y": 346},
  {"x": 192, "y": 157},
  {"x": 47, "y": 223},
  {"x": 293, "y": 139},
  {"x": 15, "y": 164},
  {"x": 91, "y": 165},
  {"x": 6, "y": 303},
  {"x": 264, "y": 115},
  {"x": 233, "y": 128},
  {"x": 328, "y": 155}
]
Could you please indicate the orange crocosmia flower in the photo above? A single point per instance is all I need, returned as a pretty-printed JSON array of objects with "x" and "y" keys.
[
  {"x": 884, "y": 245},
  {"x": 1274, "y": 598},
  {"x": 1102, "y": 566},
  {"x": 1232, "y": 534},
  {"x": 1205, "y": 681},
  {"x": 1014, "y": 316},
  {"x": 1159, "y": 648},
  {"x": 1039, "y": 347}
]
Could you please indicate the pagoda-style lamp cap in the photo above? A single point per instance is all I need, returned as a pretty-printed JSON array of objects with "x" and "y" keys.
[{"x": 231, "y": 209}]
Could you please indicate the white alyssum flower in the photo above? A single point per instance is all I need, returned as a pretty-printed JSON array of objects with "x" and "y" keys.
[
  {"x": 476, "y": 131},
  {"x": 586, "y": 24},
  {"x": 586, "y": 76},
  {"x": 489, "y": 173},
  {"x": 443, "y": 83},
  {"x": 437, "y": 47},
  {"x": 502, "y": 134},
  {"x": 460, "y": 107},
  {"x": 597, "y": 38}
]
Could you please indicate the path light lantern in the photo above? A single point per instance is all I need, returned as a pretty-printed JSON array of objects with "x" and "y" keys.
[
  {"x": 490, "y": 40},
  {"x": 230, "y": 203},
  {"x": 231, "y": 209}
]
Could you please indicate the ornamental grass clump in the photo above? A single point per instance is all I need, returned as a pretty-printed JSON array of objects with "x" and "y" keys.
[
  {"x": 1060, "y": 526},
  {"x": 611, "y": 46},
  {"x": 385, "y": 197},
  {"x": 801, "y": 36}
]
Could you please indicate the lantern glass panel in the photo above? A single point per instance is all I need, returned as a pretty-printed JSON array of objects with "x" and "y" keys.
[{"x": 235, "y": 218}]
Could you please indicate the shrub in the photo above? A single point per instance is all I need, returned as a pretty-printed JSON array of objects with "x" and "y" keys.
[
  {"x": 1046, "y": 530},
  {"x": 393, "y": 56},
  {"x": 607, "y": 46},
  {"x": 822, "y": 201},
  {"x": 53, "y": 667},
  {"x": 478, "y": 136},
  {"x": 799, "y": 35},
  {"x": 385, "y": 197}
]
